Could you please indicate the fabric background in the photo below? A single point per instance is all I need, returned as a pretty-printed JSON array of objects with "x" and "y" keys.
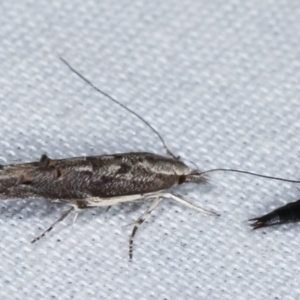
[{"x": 218, "y": 79}]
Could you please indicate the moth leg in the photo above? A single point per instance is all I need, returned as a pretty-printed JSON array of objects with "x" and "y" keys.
[
  {"x": 188, "y": 204},
  {"x": 63, "y": 216},
  {"x": 78, "y": 206},
  {"x": 139, "y": 221},
  {"x": 76, "y": 216}
]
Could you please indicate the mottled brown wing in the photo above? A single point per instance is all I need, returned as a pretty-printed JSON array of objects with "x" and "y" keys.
[{"x": 97, "y": 176}]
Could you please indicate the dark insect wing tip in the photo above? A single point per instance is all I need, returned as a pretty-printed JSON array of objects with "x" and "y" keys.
[
  {"x": 288, "y": 213},
  {"x": 257, "y": 223},
  {"x": 266, "y": 220},
  {"x": 253, "y": 219}
]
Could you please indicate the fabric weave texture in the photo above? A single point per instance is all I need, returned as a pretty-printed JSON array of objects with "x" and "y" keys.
[{"x": 218, "y": 79}]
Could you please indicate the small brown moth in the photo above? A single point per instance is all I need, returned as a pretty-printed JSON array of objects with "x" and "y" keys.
[
  {"x": 287, "y": 213},
  {"x": 105, "y": 180}
]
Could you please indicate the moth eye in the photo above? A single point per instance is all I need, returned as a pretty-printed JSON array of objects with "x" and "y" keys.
[{"x": 182, "y": 179}]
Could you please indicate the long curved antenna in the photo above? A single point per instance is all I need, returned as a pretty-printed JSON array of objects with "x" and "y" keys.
[
  {"x": 250, "y": 173},
  {"x": 120, "y": 104}
]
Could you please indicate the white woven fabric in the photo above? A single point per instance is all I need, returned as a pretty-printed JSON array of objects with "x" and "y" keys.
[{"x": 218, "y": 79}]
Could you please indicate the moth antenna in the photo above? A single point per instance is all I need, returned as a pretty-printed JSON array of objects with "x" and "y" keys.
[
  {"x": 251, "y": 173},
  {"x": 120, "y": 104}
]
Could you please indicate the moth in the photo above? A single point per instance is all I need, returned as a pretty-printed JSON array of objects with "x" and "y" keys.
[{"x": 105, "y": 180}]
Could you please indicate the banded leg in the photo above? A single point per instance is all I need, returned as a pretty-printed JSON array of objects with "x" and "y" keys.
[
  {"x": 139, "y": 221},
  {"x": 63, "y": 216}
]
